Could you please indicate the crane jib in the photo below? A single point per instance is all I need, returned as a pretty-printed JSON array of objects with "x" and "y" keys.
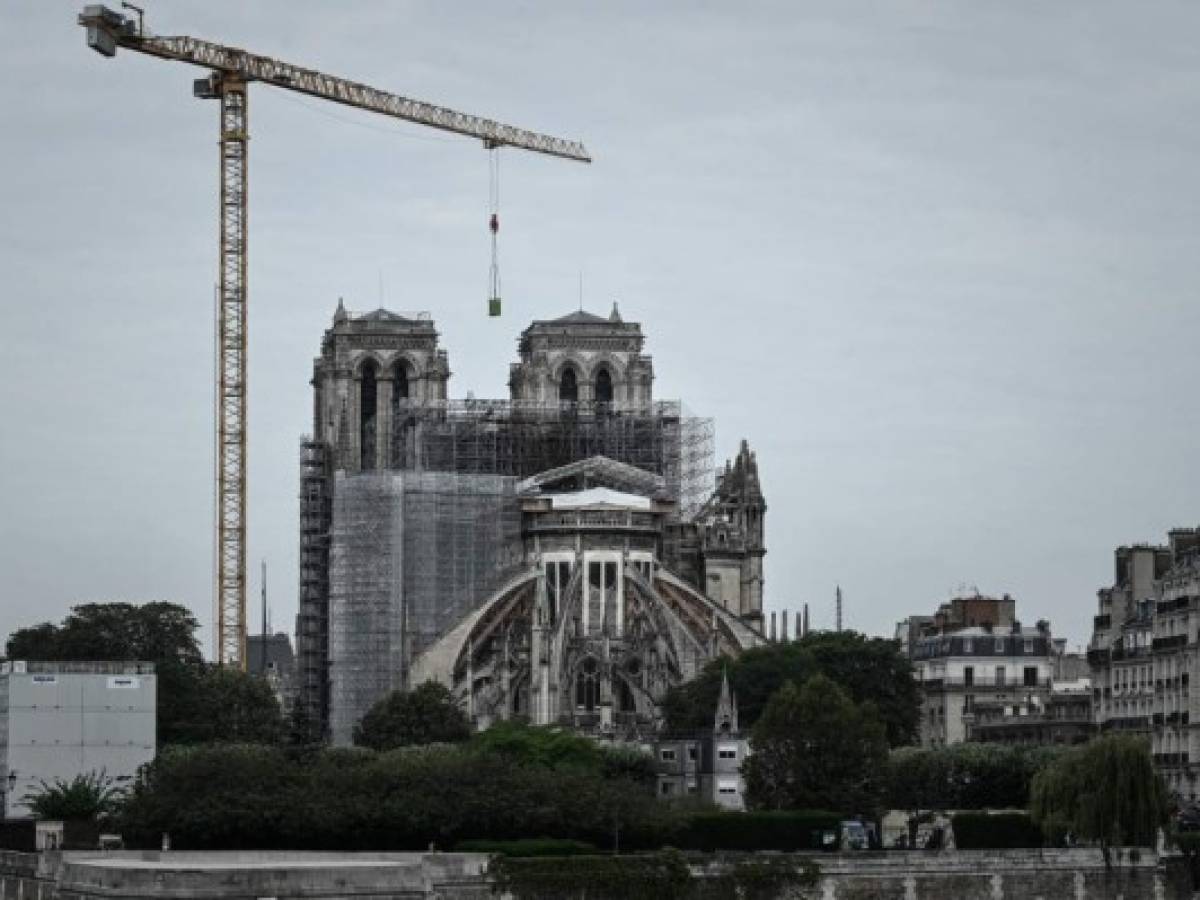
[{"x": 107, "y": 30}]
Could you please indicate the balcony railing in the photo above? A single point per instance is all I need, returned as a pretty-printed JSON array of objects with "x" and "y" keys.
[
  {"x": 1016, "y": 683},
  {"x": 1171, "y": 759},
  {"x": 1173, "y": 642}
]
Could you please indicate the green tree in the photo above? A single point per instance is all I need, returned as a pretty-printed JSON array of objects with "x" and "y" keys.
[
  {"x": 219, "y": 703},
  {"x": 869, "y": 669},
  {"x": 563, "y": 750},
  {"x": 86, "y": 796},
  {"x": 426, "y": 715},
  {"x": 964, "y": 776},
  {"x": 815, "y": 748},
  {"x": 196, "y": 702},
  {"x": 226, "y": 796},
  {"x": 152, "y": 632},
  {"x": 1105, "y": 791}
]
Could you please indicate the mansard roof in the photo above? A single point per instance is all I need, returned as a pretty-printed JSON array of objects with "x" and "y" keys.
[{"x": 595, "y": 471}]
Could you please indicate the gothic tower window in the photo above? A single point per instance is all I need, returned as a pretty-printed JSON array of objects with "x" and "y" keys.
[
  {"x": 366, "y": 412},
  {"x": 625, "y": 701},
  {"x": 587, "y": 686},
  {"x": 604, "y": 387},
  {"x": 568, "y": 386},
  {"x": 400, "y": 381}
]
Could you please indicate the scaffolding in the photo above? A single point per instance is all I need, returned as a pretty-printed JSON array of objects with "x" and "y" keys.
[
  {"x": 312, "y": 618},
  {"x": 522, "y": 438},
  {"x": 411, "y": 553},
  {"x": 391, "y": 559}
]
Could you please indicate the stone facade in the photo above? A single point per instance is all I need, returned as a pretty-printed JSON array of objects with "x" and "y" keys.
[
  {"x": 1145, "y": 647},
  {"x": 973, "y": 652},
  {"x": 708, "y": 765},
  {"x": 564, "y": 554},
  {"x": 583, "y": 358},
  {"x": 1077, "y": 874}
]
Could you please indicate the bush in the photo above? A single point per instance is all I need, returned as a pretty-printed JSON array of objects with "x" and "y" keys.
[
  {"x": 527, "y": 847},
  {"x": 653, "y": 876},
  {"x": 964, "y": 776},
  {"x": 981, "y": 831},
  {"x": 765, "y": 830},
  {"x": 252, "y": 797}
]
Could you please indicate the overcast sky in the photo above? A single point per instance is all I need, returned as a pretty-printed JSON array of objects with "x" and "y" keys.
[{"x": 938, "y": 262}]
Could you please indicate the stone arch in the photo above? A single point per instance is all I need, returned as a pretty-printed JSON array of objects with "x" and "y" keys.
[
  {"x": 615, "y": 366},
  {"x": 362, "y": 361}
]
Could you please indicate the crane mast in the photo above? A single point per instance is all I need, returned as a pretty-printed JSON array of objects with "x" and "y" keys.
[{"x": 232, "y": 70}]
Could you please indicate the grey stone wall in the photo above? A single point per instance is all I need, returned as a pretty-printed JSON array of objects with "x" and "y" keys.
[{"x": 1078, "y": 874}]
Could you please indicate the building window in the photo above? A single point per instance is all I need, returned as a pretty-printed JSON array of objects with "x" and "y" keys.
[
  {"x": 692, "y": 752},
  {"x": 666, "y": 755},
  {"x": 969, "y": 703},
  {"x": 999, "y": 645},
  {"x": 604, "y": 387},
  {"x": 1001, "y": 676},
  {"x": 1031, "y": 676},
  {"x": 666, "y": 788},
  {"x": 727, "y": 753},
  {"x": 587, "y": 686},
  {"x": 968, "y": 675},
  {"x": 625, "y": 701},
  {"x": 727, "y": 787},
  {"x": 968, "y": 645},
  {"x": 568, "y": 386},
  {"x": 1028, "y": 646}
]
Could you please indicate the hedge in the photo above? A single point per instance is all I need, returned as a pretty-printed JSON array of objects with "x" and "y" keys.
[
  {"x": 666, "y": 875},
  {"x": 527, "y": 847},
  {"x": 763, "y": 830},
  {"x": 981, "y": 831}
]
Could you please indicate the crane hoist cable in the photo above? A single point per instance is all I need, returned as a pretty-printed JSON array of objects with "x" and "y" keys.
[{"x": 494, "y": 228}]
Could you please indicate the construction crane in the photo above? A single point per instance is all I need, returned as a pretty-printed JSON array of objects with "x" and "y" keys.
[{"x": 232, "y": 71}]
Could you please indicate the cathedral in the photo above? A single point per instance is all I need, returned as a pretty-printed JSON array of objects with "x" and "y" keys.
[{"x": 563, "y": 556}]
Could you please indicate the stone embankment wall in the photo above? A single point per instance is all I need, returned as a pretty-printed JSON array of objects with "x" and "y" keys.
[{"x": 1077, "y": 874}]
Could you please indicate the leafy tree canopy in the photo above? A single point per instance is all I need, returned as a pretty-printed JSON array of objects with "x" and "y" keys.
[
  {"x": 425, "y": 715},
  {"x": 555, "y": 748},
  {"x": 153, "y": 632},
  {"x": 964, "y": 776},
  {"x": 1106, "y": 791},
  {"x": 869, "y": 669},
  {"x": 815, "y": 748},
  {"x": 196, "y": 702},
  {"x": 226, "y": 796}
]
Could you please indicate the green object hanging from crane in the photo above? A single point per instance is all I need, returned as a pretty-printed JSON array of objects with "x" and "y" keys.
[{"x": 232, "y": 70}]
